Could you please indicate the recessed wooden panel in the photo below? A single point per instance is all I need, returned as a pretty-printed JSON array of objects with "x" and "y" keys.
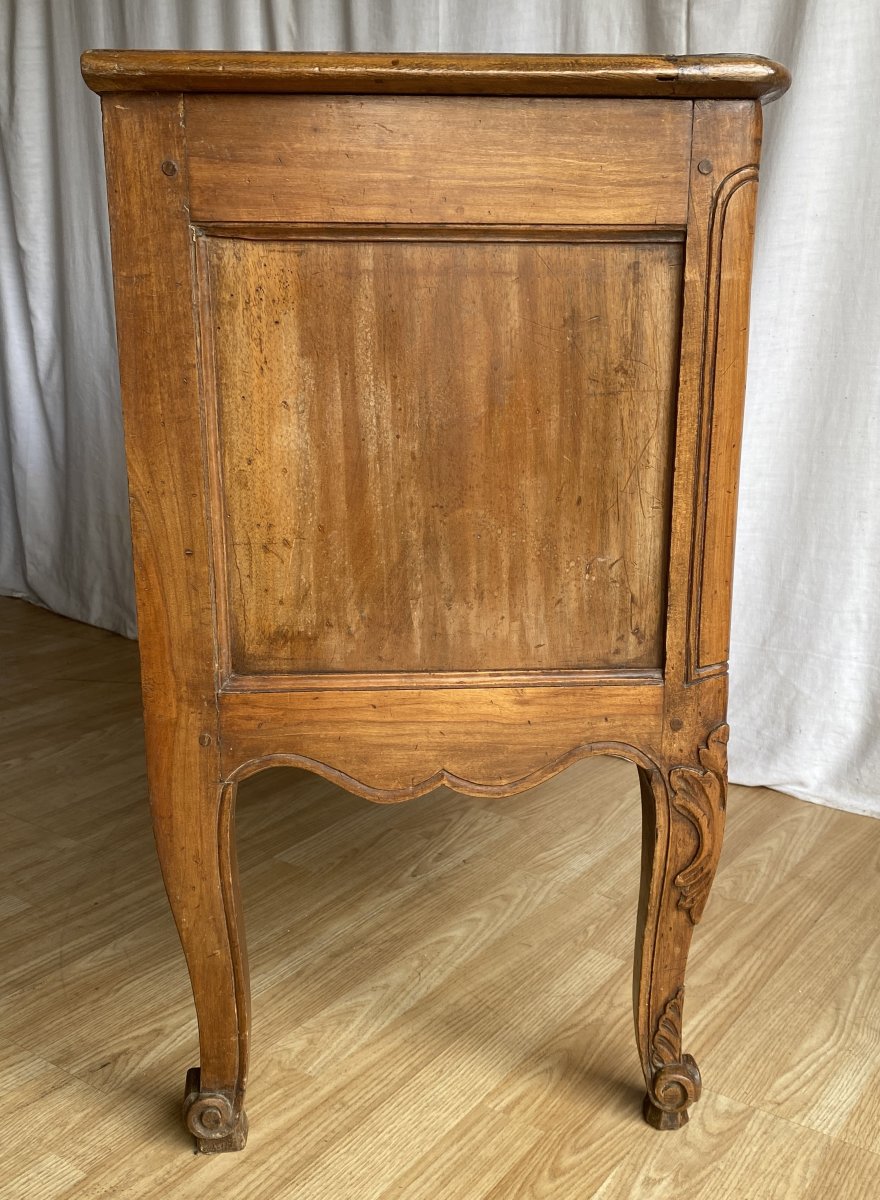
[
  {"x": 444, "y": 457},
  {"x": 437, "y": 159}
]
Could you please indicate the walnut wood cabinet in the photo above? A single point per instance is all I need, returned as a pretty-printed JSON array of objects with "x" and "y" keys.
[{"x": 432, "y": 370}]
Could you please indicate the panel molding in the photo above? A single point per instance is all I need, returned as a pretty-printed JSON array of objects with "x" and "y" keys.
[
  {"x": 409, "y": 680},
  {"x": 216, "y": 508},
  {"x": 641, "y": 499},
  {"x": 729, "y": 186},
  {"x": 403, "y": 231}
]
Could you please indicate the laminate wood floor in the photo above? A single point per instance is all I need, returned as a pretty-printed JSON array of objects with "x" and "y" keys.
[{"x": 441, "y": 988}]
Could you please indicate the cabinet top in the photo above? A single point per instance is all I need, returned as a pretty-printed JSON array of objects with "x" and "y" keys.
[{"x": 708, "y": 76}]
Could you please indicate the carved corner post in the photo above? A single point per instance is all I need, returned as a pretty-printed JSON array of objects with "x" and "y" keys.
[
  {"x": 684, "y": 797},
  {"x": 192, "y": 811}
]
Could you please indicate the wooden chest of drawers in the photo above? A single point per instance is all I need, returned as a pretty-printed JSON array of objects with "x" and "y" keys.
[{"x": 433, "y": 371}]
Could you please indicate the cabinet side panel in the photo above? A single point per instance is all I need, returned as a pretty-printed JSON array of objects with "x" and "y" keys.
[{"x": 445, "y": 456}]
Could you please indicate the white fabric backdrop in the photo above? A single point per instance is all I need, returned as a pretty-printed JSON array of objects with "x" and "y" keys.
[{"x": 806, "y": 646}]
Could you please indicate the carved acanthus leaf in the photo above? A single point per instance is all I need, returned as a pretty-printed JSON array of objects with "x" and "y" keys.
[
  {"x": 675, "y": 1080},
  {"x": 700, "y": 794},
  {"x": 666, "y": 1043}
]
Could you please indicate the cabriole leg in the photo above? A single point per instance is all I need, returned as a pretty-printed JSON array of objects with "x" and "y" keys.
[
  {"x": 193, "y": 822},
  {"x": 683, "y": 807}
]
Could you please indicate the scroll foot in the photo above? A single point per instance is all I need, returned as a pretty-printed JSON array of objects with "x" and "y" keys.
[
  {"x": 211, "y": 1118},
  {"x": 673, "y": 1089}
]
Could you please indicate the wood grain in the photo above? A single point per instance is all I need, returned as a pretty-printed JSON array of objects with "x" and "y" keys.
[
  {"x": 392, "y": 746},
  {"x": 427, "y": 159},
  {"x": 478, "y": 477}
]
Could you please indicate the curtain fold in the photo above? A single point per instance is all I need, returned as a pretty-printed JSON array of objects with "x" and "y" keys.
[{"x": 805, "y": 658}]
